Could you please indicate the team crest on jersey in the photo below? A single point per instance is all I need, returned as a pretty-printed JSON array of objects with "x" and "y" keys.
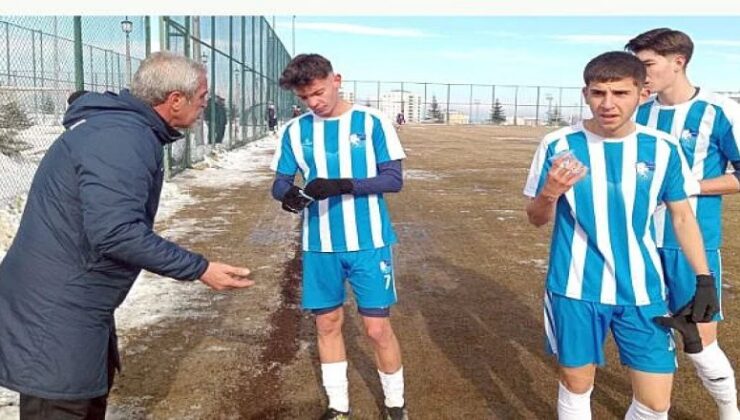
[
  {"x": 688, "y": 136},
  {"x": 307, "y": 142},
  {"x": 356, "y": 139},
  {"x": 644, "y": 169},
  {"x": 385, "y": 267}
]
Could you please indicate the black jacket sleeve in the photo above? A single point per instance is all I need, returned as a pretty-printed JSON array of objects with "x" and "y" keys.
[{"x": 118, "y": 175}]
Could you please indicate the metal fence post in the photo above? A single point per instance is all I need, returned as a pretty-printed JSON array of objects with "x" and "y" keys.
[
  {"x": 242, "y": 93},
  {"x": 448, "y": 104},
  {"x": 516, "y": 104},
  {"x": 147, "y": 35},
  {"x": 230, "y": 111},
  {"x": 79, "y": 72},
  {"x": 378, "y": 95},
  {"x": 252, "y": 108},
  {"x": 470, "y": 105},
  {"x": 537, "y": 109}
]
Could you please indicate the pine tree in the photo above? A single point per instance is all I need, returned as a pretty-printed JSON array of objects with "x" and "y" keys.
[
  {"x": 497, "y": 113},
  {"x": 9, "y": 143},
  {"x": 47, "y": 105},
  {"x": 435, "y": 114},
  {"x": 12, "y": 116}
]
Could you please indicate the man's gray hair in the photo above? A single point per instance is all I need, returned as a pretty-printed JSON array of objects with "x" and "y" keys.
[{"x": 163, "y": 73}]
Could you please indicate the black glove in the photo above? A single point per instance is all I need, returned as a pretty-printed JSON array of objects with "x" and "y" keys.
[
  {"x": 682, "y": 323},
  {"x": 294, "y": 200},
  {"x": 321, "y": 188},
  {"x": 705, "y": 302}
]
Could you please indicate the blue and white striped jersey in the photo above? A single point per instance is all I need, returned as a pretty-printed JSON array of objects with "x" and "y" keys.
[
  {"x": 708, "y": 129},
  {"x": 602, "y": 247},
  {"x": 348, "y": 146}
]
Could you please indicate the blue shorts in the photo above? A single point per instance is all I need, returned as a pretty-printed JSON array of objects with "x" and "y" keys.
[
  {"x": 576, "y": 331},
  {"x": 681, "y": 280},
  {"x": 369, "y": 272}
]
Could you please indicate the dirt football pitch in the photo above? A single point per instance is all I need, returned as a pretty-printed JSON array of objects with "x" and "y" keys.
[{"x": 470, "y": 276}]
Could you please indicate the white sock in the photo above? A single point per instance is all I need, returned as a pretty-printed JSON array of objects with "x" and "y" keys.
[
  {"x": 639, "y": 411},
  {"x": 393, "y": 388},
  {"x": 573, "y": 406},
  {"x": 718, "y": 378},
  {"x": 334, "y": 377}
]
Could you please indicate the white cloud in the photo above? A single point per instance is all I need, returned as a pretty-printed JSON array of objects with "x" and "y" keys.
[
  {"x": 346, "y": 28},
  {"x": 592, "y": 39},
  {"x": 719, "y": 42}
]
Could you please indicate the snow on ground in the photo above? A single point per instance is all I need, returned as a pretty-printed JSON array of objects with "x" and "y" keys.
[{"x": 153, "y": 298}]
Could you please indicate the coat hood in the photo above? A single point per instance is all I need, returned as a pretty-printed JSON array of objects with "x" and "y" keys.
[{"x": 127, "y": 107}]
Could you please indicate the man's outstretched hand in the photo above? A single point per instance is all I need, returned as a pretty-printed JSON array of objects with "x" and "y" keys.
[
  {"x": 683, "y": 323},
  {"x": 220, "y": 276}
]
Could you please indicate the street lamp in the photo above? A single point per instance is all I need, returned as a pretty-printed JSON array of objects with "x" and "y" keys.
[{"x": 127, "y": 26}]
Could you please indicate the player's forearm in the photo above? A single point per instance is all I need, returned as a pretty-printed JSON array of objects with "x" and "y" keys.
[
  {"x": 281, "y": 185},
  {"x": 388, "y": 179},
  {"x": 541, "y": 210},
  {"x": 725, "y": 184},
  {"x": 689, "y": 236}
]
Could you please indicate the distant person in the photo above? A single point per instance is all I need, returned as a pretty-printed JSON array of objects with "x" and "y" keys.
[
  {"x": 86, "y": 234},
  {"x": 707, "y": 126},
  {"x": 219, "y": 119},
  {"x": 600, "y": 182},
  {"x": 347, "y": 233},
  {"x": 272, "y": 119},
  {"x": 296, "y": 111},
  {"x": 400, "y": 120}
]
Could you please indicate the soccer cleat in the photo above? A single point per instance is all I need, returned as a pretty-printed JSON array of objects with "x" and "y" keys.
[
  {"x": 332, "y": 414},
  {"x": 396, "y": 413}
]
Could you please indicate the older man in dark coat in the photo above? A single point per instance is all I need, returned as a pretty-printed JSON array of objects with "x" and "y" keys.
[{"x": 85, "y": 235}]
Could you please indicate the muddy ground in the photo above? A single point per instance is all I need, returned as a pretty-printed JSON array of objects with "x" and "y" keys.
[{"x": 470, "y": 273}]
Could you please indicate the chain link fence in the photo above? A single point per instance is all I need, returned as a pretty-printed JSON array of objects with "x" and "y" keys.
[
  {"x": 45, "y": 58},
  {"x": 244, "y": 58},
  {"x": 424, "y": 102},
  {"x": 42, "y": 61}
]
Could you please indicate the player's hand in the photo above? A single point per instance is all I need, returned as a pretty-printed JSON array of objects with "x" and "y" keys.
[
  {"x": 321, "y": 188},
  {"x": 705, "y": 302},
  {"x": 683, "y": 323},
  {"x": 295, "y": 200},
  {"x": 220, "y": 276},
  {"x": 566, "y": 170}
]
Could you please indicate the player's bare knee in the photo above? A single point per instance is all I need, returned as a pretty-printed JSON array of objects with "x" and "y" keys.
[
  {"x": 329, "y": 324},
  {"x": 576, "y": 382},
  {"x": 381, "y": 333}
]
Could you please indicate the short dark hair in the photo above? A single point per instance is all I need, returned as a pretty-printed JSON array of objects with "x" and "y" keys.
[
  {"x": 304, "y": 69},
  {"x": 614, "y": 65},
  {"x": 663, "y": 41}
]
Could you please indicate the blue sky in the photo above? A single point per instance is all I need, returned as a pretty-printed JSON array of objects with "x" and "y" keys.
[{"x": 502, "y": 50}]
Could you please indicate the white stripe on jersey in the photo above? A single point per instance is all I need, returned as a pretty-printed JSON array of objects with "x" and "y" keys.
[
  {"x": 601, "y": 213},
  {"x": 653, "y": 118},
  {"x": 319, "y": 153},
  {"x": 295, "y": 143},
  {"x": 662, "y": 153},
  {"x": 550, "y": 323},
  {"x": 348, "y": 200},
  {"x": 395, "y": 151},
  {"x": 372, "y": 199},
  {"x": 636, "y": 262},
  {"x": 580, "y": 241}
]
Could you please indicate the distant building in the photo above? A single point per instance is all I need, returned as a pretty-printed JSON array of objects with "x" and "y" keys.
[
  {"x": 456, "y": 117},
  {"x": 395, "y": 101},
  {"x": 347, "y": 96}
]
